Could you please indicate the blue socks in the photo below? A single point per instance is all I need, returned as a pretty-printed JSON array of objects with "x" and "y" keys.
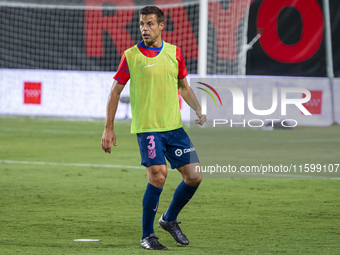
[
  {"x": 150, "y": 205},
  {"x": 182, "y": 195}
]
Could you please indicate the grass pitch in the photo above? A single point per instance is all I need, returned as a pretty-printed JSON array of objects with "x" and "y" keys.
[{"x": 56, "y": 186}]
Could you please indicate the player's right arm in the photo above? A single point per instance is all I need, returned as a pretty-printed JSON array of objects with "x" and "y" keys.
[
  {"x": 109, "y": 136},
  {"x": 121, "y": 78}
]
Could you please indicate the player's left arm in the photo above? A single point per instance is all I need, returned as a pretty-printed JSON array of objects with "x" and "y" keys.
[{"x": 190, "y": 98}]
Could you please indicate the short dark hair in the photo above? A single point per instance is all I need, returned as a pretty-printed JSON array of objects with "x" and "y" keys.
[{"x": 147, "y": 10}]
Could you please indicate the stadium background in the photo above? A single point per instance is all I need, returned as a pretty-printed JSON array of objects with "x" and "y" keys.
[
  {"x": 45, "y": 46},
  {"x": 37, "y": 38},
  {"x": 57, "y": 185}
]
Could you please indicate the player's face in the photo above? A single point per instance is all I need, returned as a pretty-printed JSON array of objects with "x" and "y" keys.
[{"x": 150, "y": 29}]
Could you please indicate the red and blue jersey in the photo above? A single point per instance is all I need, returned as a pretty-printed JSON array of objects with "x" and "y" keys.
[{"x": 123, "y": 73}]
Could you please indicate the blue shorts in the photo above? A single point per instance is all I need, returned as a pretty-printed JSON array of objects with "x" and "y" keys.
[{"x": 175, "y": 145}]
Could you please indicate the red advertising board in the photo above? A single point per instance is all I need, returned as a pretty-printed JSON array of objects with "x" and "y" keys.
[
  {"x": 32, "y": 93},
  {"x": 314, "y": 104}
]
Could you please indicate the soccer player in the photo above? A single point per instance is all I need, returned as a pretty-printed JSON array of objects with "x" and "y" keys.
[{"x": 157, "y": 71}]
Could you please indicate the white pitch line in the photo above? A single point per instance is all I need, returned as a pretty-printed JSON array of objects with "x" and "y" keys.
[
  {"x": 72, "y": 132},
  {"x": 50, "y": 131},
  {"x": 67, "y": 164},
  {"x": 330, "y": 140},
  {"x": 269, "y": 175},
  {"x": 141, "y": 167},
  {"x": 70, "y": 164}
]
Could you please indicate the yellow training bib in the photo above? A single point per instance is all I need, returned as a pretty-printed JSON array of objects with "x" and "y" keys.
[{"x": 153, "y": 90}]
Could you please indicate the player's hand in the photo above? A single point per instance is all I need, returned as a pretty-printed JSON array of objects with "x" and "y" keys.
[
  {"x": 108, "y": 138},
  {"x": 202, "y": 118}
]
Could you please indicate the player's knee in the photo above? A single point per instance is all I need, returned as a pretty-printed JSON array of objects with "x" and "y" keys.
[
  {"x": 198, "y": 181},
  {"x": 161, "y": 179},
  {"x": 158, "y": 177},
  {"x": 193, "y": 181}
]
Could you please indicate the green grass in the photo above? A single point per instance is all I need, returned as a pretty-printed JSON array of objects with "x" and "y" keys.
[
  {"x": 255, "y": 147},
  {"x": 43, "y": 208}
]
